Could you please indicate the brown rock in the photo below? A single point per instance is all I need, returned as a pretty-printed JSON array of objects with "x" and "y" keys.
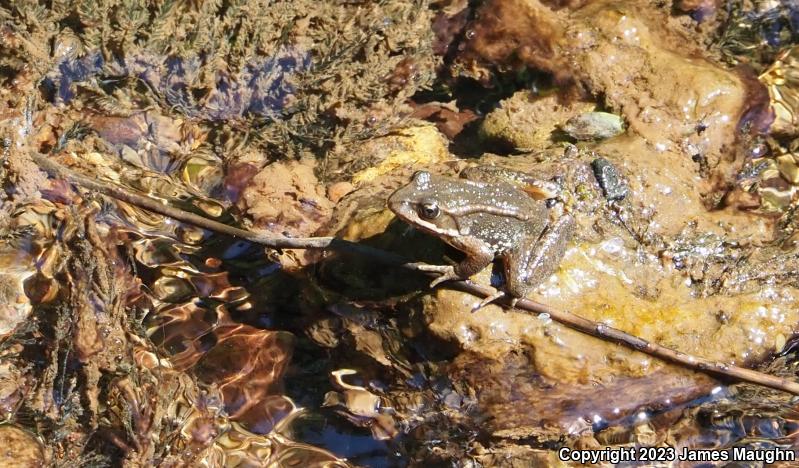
[
  {"x": 20, "y": 448},
  {"x": 286, "y": 197}
]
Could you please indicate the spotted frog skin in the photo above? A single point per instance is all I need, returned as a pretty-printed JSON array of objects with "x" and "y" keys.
[{"x": 486, "y": 215}]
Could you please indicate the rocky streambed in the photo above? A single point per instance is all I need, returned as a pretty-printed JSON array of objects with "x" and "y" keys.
[{"x": 130, "y": 338}]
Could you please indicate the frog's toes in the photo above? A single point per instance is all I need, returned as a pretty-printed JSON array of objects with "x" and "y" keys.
[
  {"x": 441, "y": 269},
  {"x": 488, "y": 300},
  {"x": 447, "y": 273}
]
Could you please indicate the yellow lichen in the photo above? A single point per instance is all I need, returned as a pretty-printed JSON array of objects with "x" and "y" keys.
[{"x": 414, "y": 146}]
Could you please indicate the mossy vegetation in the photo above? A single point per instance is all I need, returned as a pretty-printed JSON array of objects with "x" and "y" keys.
[{"x": 287, "y": 77}]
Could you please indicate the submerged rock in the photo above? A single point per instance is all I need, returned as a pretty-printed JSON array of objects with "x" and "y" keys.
[
  {"x": 286, "y": 198},
  {"x": 782, "y": 81}
]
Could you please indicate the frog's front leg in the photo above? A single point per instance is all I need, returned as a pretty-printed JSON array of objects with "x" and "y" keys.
[
  {"x": 478, "y": 256},
  {"x": 535, "y": 259}
]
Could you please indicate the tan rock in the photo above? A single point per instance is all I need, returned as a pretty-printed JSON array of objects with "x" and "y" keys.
[
  {"x": 20, "y": 448},
  {"x": 526, "y": 122},
  {"x": 286, "y": 197},
  {"x": 409, "y": 147}
]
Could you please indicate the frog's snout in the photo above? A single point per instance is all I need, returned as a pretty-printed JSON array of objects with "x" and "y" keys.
[
  {"x": 400, "y": 208},
  {"x": 397, "y": 200}
]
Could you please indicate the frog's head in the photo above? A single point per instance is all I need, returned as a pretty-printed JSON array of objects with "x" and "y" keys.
[{"x": 425, "y": 204}]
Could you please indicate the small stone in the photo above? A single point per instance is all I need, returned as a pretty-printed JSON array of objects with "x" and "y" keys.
[
  {"x": 609, "y": 179},
  {"x": 788, "y": 168},
  {"x": 774, "y": 199},
  {"x": 779, "y": 342},
  {"x": 594, "y": 126},
  {"x": 338, "y": 190}
]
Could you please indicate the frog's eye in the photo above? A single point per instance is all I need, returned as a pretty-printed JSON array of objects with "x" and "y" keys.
[{"x": 429, "y": 210}]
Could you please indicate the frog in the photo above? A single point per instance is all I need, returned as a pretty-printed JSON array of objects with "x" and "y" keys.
[{"x": 488, "y": 215}]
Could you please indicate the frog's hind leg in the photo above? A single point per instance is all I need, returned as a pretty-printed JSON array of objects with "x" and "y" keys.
[{"x": 534, "y": 260}]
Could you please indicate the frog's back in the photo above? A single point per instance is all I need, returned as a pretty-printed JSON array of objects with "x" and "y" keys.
[{"x": 502, "y": 215}]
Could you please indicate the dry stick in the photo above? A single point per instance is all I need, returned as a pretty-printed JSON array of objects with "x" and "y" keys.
[{"x": 576, "y": 322}]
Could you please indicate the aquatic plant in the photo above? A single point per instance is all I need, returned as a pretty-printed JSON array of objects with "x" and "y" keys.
[{"x": 299, "y": 75}]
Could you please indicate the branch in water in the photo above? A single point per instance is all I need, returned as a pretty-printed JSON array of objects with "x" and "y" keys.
[{"x": 576, "y": 322}]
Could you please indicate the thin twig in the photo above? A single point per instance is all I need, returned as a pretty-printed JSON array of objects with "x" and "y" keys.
[
  {"x": 576, "y": 322},
  {"x": 151, "y": 204}
]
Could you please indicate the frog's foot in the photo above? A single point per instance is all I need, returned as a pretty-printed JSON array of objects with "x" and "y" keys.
[
  {"x": 488, "y": 300},
  {"x": 446, "y": 272}
]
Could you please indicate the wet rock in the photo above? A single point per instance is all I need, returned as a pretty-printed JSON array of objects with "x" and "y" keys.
[
  {"x": 609, "y": 179},
  {"x": 512, "y": 360},
  {"x": 409, "y": 148},
  {"x": 525, "y": 122},
  {"x": 594, "y": 126},
  {"x": 287, "y": 198},
  {"x": 666, "y": 153},
  {"x": 605, "y": 281},
  {"x": 20, "y": 448},
  {"x": 678, "y": 106},
  {"x": 782, "y": 81},
  {"x": 700, "y": 96}
]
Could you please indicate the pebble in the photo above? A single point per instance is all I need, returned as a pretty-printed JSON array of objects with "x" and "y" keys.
[
  {"x": 613, "y": 185},
  {"x": 594, "y": 126}
]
